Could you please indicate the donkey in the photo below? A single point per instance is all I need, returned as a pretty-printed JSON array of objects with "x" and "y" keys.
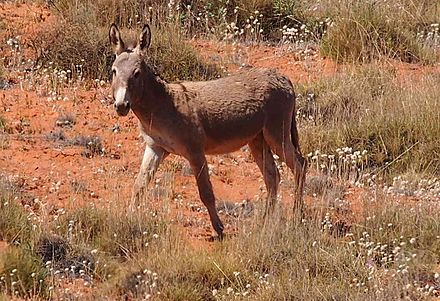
[{"x": 195, "y": 118}]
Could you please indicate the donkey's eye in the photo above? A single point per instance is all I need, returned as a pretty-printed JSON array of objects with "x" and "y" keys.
[{"x": 113, "y": 72}]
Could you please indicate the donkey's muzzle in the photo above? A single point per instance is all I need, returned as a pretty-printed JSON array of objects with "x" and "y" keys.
[{"x": 122, "y": 109}]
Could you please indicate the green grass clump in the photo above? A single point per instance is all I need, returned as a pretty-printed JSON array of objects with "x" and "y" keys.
[
  {"x": 15, "y": 224},
  {"x": 364, "y": 31},
  {"x": 118, "y": 234},
  {"x": 78, "y": 44},
  {"x": 176, "y": 60},
  {"x": 22, "y": 273}
]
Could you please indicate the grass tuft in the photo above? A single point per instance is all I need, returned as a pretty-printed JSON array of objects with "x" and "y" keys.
[
  {"x": 22, "y": 274},
  {"x": 15, "y": 224}
]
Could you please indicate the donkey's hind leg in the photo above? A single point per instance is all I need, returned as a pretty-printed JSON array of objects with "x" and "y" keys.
[
  {"x": 278, "y": 137},
  {"x": 263, "y": 157}
]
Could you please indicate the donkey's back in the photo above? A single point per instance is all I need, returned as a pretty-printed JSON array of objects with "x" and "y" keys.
[{"x": 251, "y": 87}]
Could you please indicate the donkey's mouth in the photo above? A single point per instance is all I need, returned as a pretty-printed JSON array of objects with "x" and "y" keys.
[{"x": 123, "y": 109}]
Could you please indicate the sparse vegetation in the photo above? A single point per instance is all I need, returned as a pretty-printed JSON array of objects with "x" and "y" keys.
[
  {"x": 71, "y": 42},
  {"x": 15, "y": 225},
  {"x": 350, "y": 31},
  {"x": 92, "y": 144},
  {"x": 390, "y": 241},
  {"x": 369, "y": 109},
  {"x": 2, "y": 124},
  {"x": 117, "y": 234}
]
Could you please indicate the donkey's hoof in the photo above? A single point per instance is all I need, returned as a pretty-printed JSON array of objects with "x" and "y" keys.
[{"x": 216, "y": 237}]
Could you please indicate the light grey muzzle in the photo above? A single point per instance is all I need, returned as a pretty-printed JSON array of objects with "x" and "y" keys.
[{"x": 122, "y": 104}]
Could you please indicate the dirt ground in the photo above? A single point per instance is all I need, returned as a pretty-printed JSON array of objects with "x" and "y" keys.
[{"x": 53, "y": 173}]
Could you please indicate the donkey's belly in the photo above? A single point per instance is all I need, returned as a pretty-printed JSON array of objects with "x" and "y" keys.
[
  {"x": 214, "y": 147},
  {"x": 229, "y": 138}
]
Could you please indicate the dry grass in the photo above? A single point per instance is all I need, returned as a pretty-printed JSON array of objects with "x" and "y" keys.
[
  {"x": 364, "y": 31},
  {"x": 348, "y": 31}
]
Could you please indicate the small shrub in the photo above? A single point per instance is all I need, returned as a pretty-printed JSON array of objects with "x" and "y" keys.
[
  {"x": 4, "y": 82},
  {"x": 3, "y": 124},
  {"x": 56, "y": 136},
  {"x": 52, "y": 248},
  {"x": 66, "y": 120},
  {"x": 76, "y": 43},
  {"x": 175, "y": 59},
  {"x": 318, "y": 185},
  {"x": 93, "y": 145},
  {"x": 70, "y": 260},
  {"x": 140, "y": 284},
  {"x": 82, "y": 226}
]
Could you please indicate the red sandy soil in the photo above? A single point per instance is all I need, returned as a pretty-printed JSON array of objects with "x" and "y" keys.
[{"x": 54, "y": 175}]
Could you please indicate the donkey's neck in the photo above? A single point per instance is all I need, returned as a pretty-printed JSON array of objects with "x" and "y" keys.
[{"x": 154, "y": 98}]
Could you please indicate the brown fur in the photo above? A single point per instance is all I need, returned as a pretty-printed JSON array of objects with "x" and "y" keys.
[{"x": 192, "y": 119}]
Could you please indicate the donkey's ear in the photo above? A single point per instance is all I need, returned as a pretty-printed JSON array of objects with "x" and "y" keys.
[
  {"x": 115, "y": 39},
  {"x": 145, "y": 38}
]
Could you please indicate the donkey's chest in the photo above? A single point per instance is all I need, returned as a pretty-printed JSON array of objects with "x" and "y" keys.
[{"x": 175, "y": 136}]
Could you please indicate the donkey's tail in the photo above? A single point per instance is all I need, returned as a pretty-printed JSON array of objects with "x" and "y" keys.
[
  {"x": 294, "y": 134},
  {"x": 293, "y": 128}
]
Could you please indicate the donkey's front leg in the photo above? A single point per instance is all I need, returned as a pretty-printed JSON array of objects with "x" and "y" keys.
[
  {"x": 153, "y": 156},
  {"x": 200, "y": 168}
]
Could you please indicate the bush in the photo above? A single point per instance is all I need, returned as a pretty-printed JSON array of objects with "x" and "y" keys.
[
  {"x": 176, "y": 60},
  {"x": 79, "y": 41}
]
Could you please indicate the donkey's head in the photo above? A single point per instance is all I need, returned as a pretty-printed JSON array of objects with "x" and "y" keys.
[{"x": 127, "y": 68}]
